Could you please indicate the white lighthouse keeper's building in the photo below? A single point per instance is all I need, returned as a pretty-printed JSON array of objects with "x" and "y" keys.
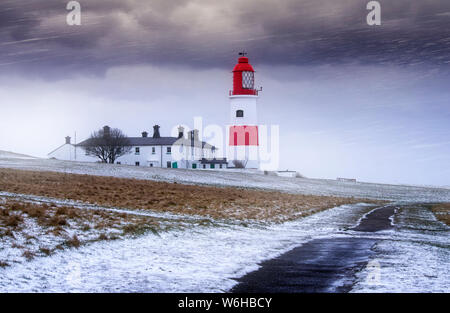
[{"x": 243, "y": 139}]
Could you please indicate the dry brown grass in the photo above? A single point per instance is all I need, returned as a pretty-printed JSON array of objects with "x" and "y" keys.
[
  {"x": 45, "y": 250},
  {"x": 442, "y": 212},
  {"x": 55, "y": 218},
  {"x": 56, "y": 222},
  {"x": 6, "y": 233},
  {"x": 73, "y": 242},
  {"x": 13, "y": 220},
  {"x": 28, "y": 255},
  {"x": 236, "y": 203}
]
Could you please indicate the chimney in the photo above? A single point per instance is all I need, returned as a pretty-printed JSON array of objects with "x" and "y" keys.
[
  {"x": 156, "y": 132},
  {"x": 180, "y": 132},
  {"x": 144, "y": 134},
  {"x": 195, "y": 132},
  {"x": 68, "y": 140},
  {"x": 106, "y": 131}
]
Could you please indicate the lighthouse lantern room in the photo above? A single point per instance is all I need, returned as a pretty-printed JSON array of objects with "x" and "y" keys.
[{"x": 243, "y": 142}]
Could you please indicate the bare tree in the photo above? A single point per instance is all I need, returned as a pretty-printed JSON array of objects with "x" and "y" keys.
[{"x": 107, "y": 144}]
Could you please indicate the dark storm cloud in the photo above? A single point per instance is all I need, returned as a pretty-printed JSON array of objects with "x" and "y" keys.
[{"x": 204, "y": 33}]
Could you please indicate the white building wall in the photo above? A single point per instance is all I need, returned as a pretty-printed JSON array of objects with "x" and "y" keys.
[
  {"x": 248, "y": 154},
  {"x": 69, "y": 152},
  {"x": 246, "y": 103},
  {"x": 184, "y": 158},
  {"x": 287, "y": 173},
  {"x": 65, "y": 152},
  {"x": 146, "y": 157}
]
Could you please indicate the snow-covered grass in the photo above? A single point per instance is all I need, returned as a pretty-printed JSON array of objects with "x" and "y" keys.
[
  {"x": 414, "y": 257},
  {"x": 31, "y": 229},
  {"x": 207, "y": 259},
  {"x": 201, "y": 254},
  {"x": 198, "y": 259},
  {"x": 36, "y": 226},
  {"x": 248, "y": 179},
  {"x": 13, "y": 155}
]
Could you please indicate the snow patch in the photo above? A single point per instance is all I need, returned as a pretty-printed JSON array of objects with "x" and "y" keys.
[{"x": 201, "y": 259}]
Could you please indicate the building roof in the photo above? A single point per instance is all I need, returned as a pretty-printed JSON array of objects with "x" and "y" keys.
[
  {"x": 59, "y": 148},
  {"x": 160, "y": 141}
]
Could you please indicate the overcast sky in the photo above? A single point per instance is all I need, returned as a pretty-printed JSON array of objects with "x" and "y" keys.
[{"x": 371, "y": 103}]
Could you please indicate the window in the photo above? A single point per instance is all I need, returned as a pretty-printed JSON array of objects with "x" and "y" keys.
[
  {"x": 169, "y": 164},
  {"x": 239, "y": 113},
  {"x": 153, "y": 150},
  {"x": 119, "y": 163},
  {"x": 194, "y": 165},
  {"x": 137, "y": 164},
  {"x": 137, "y": 150},
  {"x": 169, "y": 150},
  {"x": 248, "y": 80},
  {"x": 151, "y": 164},
  {"x": 204, "y": 165},
  {"x": 212, "y": 166},
  {"x": 220, "y": 165}
]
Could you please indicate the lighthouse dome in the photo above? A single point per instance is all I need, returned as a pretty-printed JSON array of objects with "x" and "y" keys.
[
  {"x": 243, "y": 65},
  {"x": 243, "y": 78}
]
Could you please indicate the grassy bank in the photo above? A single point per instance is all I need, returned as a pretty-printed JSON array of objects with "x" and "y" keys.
[
  {"x": 215, "y": 202},
  {"x": 29, "y": 229},
  {"x": 442, "y": 212}
]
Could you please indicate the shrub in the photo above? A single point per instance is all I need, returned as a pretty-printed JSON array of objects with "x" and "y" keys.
[
  {"x": 13, "y": 220},
  {"x": 57, "y": 221},
  {"x": 15, "y": 206},
  {"x": 4, "y": 212},
  {"x": 46, "y": 251},
  {"x": 61, "y": 211},
  {"x": 73, "y": 242},
  {"x": 35, "y": 211},
  {"x": 28, "y": 255},
  {"x": 239, "y": 163}
]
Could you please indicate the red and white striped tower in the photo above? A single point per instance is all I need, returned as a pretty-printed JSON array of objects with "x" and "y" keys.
[{"x": 243, "y": 142}]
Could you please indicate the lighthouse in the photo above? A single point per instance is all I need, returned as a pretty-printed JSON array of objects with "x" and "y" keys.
[{"x": 243, "y": 139}]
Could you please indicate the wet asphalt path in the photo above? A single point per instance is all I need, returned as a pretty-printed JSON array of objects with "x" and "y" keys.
[
  {"x": 321, "y": 265},
  {"x": 376, "y": 220}
]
